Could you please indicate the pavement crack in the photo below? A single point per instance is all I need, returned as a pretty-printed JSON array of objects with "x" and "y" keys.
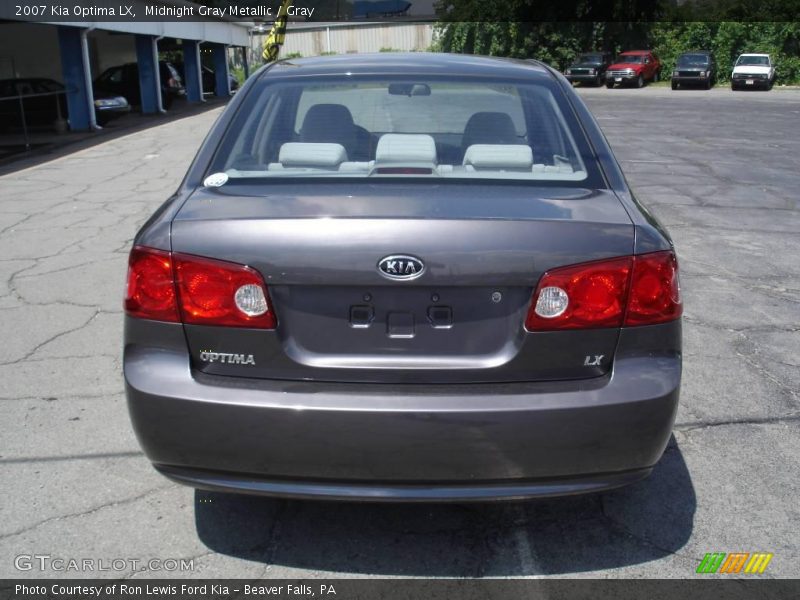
[
  {"x": 695, "y": 425},
  {"x": 69, "y": 457},
  {"x": 94, "y": 509}
]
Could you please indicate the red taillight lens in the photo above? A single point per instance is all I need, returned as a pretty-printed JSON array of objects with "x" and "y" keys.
[
  {"x": 214, "y": 292},
  {"x": 655, "y": 295},
  {"x": 639, "y": 290},
  {"x": 175, "y": 287},
  {"x": 582, "y": 296},
  {"x": 151, "y": 290}
]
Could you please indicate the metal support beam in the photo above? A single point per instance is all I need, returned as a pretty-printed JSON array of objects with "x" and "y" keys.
[
  {"x": 191, "y": 71},
  {"x": 77, "y": 78},
  {"x": 149, "y": 74},
  {"x": 219, "y": 54}
]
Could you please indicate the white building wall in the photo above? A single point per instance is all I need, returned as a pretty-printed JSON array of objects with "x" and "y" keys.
[
  {"x": 353, "y": 38},
  {"x": 109, "y": 50}
]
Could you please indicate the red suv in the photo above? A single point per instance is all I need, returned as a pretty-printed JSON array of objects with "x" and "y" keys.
[{"x": 634, "y": 67}]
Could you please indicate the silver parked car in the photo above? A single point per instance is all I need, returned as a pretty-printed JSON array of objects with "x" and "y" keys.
[{"x": 403, "y": 277}]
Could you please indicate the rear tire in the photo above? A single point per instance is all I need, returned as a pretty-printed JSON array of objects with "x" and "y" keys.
[
  {"x": 640, "y": 81},
  {"x": 609, "y": 84},
  {"x": 674, "y": 85},
  {"x": 708, "y": 83},
  {"x": 599, "y": 81}
]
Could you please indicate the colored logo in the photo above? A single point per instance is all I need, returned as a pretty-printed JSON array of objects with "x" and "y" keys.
[{"x": 735, "y": 562}]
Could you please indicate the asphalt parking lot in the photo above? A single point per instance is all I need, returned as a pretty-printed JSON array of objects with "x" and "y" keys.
[{"x": 719, "y": 168}]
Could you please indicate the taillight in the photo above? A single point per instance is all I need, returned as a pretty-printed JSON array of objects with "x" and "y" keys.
[
  {"x": 150, "y": 292},
  {"x": 638, "y": 290},
  {"x": 178, "y": 287},
  {"x": 581, "y": 296},
  {"x": 214, "y": 292},
  {"x": 655, "y": 295}
]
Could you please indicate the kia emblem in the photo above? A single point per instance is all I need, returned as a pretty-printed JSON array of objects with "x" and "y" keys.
[{"x": 401, "y": 266}]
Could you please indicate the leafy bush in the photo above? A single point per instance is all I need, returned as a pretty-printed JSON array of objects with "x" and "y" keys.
[{"x": 559, "y": 43}]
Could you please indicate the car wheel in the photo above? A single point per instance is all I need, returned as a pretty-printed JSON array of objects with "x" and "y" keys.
[
  {"x": 708, "y": 84},
  {"x": 640, "y": 81},
  {"x": 599, "y": 81},
  {"x": 609, "y": 84},
  {"x": 769, "y": 84},
  {"x": 733, "y": 87},
  {"x": 166, "y": 101},
  {"x": 674, "y": 85}
]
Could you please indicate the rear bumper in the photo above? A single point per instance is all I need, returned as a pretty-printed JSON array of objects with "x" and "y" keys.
[
  {"x": 584, "y": 78},
  {"x": 690, "y": 79},
  {"x": 104, "y": 114},
  {"x": 384, "y": 492},
  {"x": 756, "y": 83},
  {"x": 402, "y": 442},
  {"x": 622, "y": 79}
]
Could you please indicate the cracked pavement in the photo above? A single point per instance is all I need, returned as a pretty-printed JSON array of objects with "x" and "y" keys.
[{"x": 721, "y": 171}]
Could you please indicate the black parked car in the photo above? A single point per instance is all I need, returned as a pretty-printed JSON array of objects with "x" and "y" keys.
[
  {"x": 403, "y": 277},
  {"x": 589, "y": 68},
  {"x": 45, "y": 102},
  {"x": 124, "y": 80},
  {"x": 209, "y": 78},
  {"x": 695, "y": 68}
]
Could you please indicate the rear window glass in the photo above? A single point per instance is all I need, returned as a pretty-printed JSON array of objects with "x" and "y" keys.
[{"x": 370, "y": 127}]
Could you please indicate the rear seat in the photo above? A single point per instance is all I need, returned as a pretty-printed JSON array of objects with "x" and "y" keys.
[
  {"x": 498, "y": 157},
  {"x": 406, "y": 149},
  {"x": 316, "y": 156},
  {"x": 413, "y": 150}
]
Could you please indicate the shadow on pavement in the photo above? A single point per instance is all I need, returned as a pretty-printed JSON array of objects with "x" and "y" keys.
[
  {"x": 47, "y": 145},
  {"x": 629, "y": 526}
]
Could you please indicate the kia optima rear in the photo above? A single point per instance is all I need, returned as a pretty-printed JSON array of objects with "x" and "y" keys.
[{"x": 403, "y": 277}]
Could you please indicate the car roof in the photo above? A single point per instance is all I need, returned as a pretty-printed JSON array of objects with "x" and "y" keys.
[
  {"x": 752, "y": 54},
  {"x": 696, "y": 52},
  {"x": 637, "y": 52},
  {"x": 406, "y": 63}
]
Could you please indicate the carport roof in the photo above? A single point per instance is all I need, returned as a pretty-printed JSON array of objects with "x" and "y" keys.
[{"x": 203, "y": 29}]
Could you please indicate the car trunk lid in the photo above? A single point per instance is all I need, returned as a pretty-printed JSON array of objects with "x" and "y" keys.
[{"x": 340, "y": 318}]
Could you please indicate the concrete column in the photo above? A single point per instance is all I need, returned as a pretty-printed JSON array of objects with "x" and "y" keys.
[
  {"x": 77, "y": 78},
  {"x": 149, "y": 74},
  {"x": 191, "y": 71},
  {"x": 219, "y": 54}
]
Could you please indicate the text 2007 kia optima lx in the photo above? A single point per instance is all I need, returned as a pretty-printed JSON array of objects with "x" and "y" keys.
[{"x": 403, "y": 277}]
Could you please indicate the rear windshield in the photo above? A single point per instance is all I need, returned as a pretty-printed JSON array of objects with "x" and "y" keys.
[{"x": 371, "y": 127}]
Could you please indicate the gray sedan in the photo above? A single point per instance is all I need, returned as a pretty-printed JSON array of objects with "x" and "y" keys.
[{"x": 403, "y": 277}]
